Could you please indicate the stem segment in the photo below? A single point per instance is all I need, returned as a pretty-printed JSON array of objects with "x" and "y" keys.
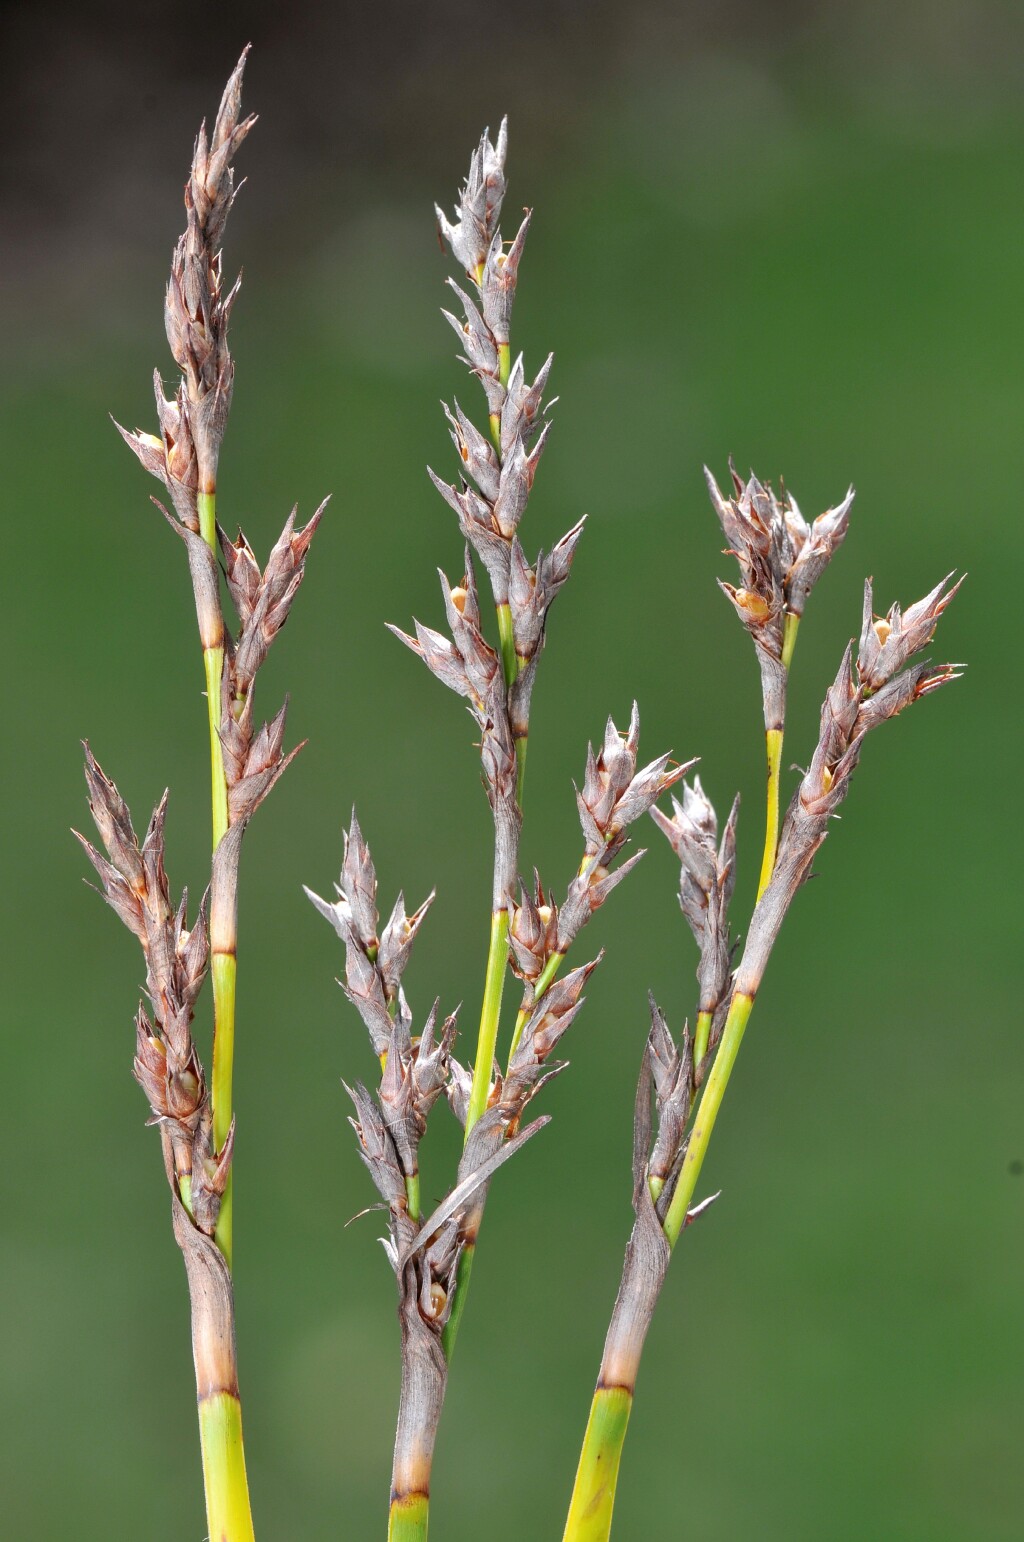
[
  {"x": 701, "y": 1034},
  {"x": 506, "y": 638},
  {"x": 643, "y": 1274},
  {"x": 707, "y": 1112},
  {"x": 213, "y": 663},
  {"x": 490, "y": 1012},
  {"x": 228, "y": 1516},
  {"x": 223, "y": 965},
  {"x": 773, "y": 743},
  {"x": 408, "y": 1519},
  {"x": 593, "y": 1497},
  {"x": 424, "y": 1380},
  {"x": 543, "y": 980}
]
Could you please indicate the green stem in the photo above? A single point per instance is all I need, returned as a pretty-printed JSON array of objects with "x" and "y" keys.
[
  {"x": 213, "y": 662},
  {"x": 507, "y": 641},
  {"x": 228, "y": 1516},
  {"x": 707, "y": 1112},
  {"x": 224, "y": 970},
  {"x": 185, "y": 1193},
  {"x": 412, "y": 1196},
  {"x": 490, "y": 1012},
  {"x": 593, "y": 1497},
  {"x": 465, "y": 1267},
  {"x": 223, "y": 967},
  {"x": 497, "y": 953},
  {"x": 541, "y": 984},
  {"x": 701, "y": 1034},
  {"x": 408, "y": 1518},
  {"x": 773, "y": 743},
  {"x": 790, "y": 629}
]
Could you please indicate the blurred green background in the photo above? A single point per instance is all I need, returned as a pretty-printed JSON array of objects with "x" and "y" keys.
[{"x": 789, "y": 232}]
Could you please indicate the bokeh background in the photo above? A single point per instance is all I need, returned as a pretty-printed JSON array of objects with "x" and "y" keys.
[{"x": 788, "y": 231}]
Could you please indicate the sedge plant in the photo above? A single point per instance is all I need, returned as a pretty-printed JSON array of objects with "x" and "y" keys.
[
  {"x": 195, "y": 1115},
  {"x": 780, "y": 559},
  {"x": 496, "y": 620},
  {"x": 526, "y": 931}
]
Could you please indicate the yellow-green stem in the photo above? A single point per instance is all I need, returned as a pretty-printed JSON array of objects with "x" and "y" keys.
[
  {"x": 507, "y": 643},
  {"x": 773, "y": 742},
  {"x": 701, "y": 1034},
  {"x": 490, "y": 1012},
  {"x": 408, "y": 1518},
  {"x": 185, "y": 1192},
  {"x": 494, "y": 980},
  {"x": 213, "y": 662},
  {"x": 224, "y": 974},
  {"x": 790, "y": 629},
  {"x": 228, "y": 1516},
  {"x": 412, "y": 1196},
  {"x": 223, "y": 968},
  {"x": 541, "y": 984},
  {"x": 593, "y": 1497},
  {"x": 707, "y": 1111}
]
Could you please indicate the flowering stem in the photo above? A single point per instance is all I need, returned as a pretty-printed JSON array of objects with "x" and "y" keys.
[
  {"x": 223, "y": 966},
  {"x": 541, "y": 984},
  {"x": 707, "y": 1112},
  {"x": 490, "y": 1012},
  {"x": 593, "y": 1498},
  {"x": 497, "y": 953},
  {"x": 465, "y": 1268},
  {"x": 213, "y": 663},
  {"x": 773, "y": 742}
]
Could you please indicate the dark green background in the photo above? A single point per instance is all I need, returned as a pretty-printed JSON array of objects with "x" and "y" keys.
[{"x": 791, "y": 233}]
